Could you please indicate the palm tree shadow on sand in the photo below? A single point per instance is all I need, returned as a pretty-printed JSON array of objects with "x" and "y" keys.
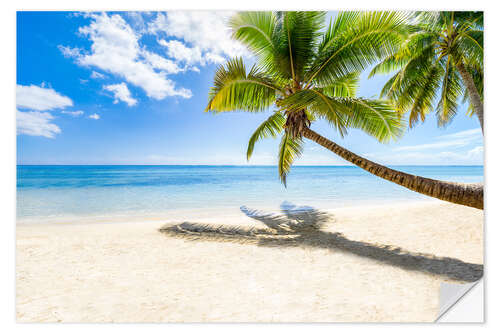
[{"x": 301, "y": 227}]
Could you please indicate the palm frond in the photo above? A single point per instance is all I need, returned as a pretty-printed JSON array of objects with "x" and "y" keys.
[
  {"x": 408, "y": 78},
  {"x": 429, "y": 20},
  {"x": 342, "y": 22},
  {"x": 474, "y": 20},
  {"x": 389, "y": 64},
  {"x": 416, "y": 45},
  {"x": 271, "y": 127},
  {"x": 345, "y": 86},
  {"x": 369, "y": 37},
  {"x": 375, "y": 117},
  {"x": 469, "y": 48},
  {"x": 420, "y": 96},
  {"x": 256, "y": 30},
  {"x": 451, "y": 90},
  {"x": 290, "y": 148},
  {"x": 477, "y": 76},
  {"x": 235, "y": 89},
  {"x": 318, "y": 104},
  {"x": 296, "y": 38}
]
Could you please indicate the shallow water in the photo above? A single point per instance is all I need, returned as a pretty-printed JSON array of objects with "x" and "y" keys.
[{"x": 84, "y": 191}]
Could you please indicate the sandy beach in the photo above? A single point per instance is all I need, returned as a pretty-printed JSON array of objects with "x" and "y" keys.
[{"x": 373, "y": 263}]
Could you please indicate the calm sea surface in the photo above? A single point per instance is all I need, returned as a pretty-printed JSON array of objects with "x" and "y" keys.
[{"x": 85, "y": 191}]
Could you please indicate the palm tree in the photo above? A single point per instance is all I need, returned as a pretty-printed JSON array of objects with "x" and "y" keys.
[
  {"x": 308, "y": 75},
  {"x": 442, "y": 59}
]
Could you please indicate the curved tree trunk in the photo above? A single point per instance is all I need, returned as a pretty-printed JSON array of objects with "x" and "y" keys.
[
  {"x": 463, "y": 194},
  {"x": 475, "y": 98}
]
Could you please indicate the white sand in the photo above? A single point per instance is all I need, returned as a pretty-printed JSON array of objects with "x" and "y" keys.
[{"x": 130, "y": 272}]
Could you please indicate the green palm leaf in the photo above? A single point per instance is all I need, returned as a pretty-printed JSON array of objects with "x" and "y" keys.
[
  {"x": 234, "y": 89},
  {"x": 406, "y": 84},
  {"x": 271, "y": 127},
  {"x": 345, "y": 86},
  {"x": 477, "y": 76},
  {"x": 296, "y": 41},
  {"x": 256, "y": 31},
  {"x": 319, "y": 104},
  {"x": 375, "y": 117},
  {"x": 290, "y": 149},
  {"x": 426, "y": 65},
  {"x": 354, "y": 46},
  {"x": 418, "y": 45},
  {"x": 451, "y": 90},
  {"x": 420, "y": 95},
  {"x": 469, "y": 48},
  {"x": 339, "y": 25},
  {"x": 311, "y": 74}
]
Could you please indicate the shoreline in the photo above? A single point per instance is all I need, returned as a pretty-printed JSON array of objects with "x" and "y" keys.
[
  {"x": 232, "y": 211},
  {"x": 376, "y": 264}
]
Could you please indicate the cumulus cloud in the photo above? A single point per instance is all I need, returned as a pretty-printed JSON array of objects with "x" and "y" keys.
[
  {"x": 138, "y": 20},
  {"x": 206, "y": 36},
  {"x": 40, "y": 98},
  {"x": 166, "y": 65},
  {"x": 179, "y": 51},
  {"x": 115, "y": 49},
  {"x": 94, "y": 116},
  {"x": 121, "y": 93},
  {"x": 73, "y": 113},
  {"x": 36, "y": 124},
  {"x": 189, "y": 38}
]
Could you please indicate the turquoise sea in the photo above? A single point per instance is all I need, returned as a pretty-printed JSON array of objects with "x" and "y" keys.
[{"x": 57, "y": 192}]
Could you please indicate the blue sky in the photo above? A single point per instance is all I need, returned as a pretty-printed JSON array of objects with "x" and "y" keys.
[{"x": 130, "y": 88}]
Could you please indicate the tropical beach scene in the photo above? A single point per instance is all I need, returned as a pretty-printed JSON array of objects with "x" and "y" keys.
[{"x": 222, "y": 166}]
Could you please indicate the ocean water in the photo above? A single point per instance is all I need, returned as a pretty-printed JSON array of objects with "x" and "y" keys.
[{"x": 64, "y": 192}]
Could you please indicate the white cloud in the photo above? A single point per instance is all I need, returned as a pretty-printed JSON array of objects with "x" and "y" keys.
[
  {"x": 36, "y": 124},
  {"x": 137, "y": 20},
  {"x": 94, "y": 116},
  {"x": 436, "y": 145},
  {"x": 179, "y": 51},
  {"x": 461, "y": 148},
  {"x": 115, "y": 49},
  {"x": 40, "y": 98},
  {"x": 458, "y": 139},
  {"x": 476, "y": 152},
  {"x": 467, "y": 134},
  {"x": 166, "y": 65},
  {"x": 121, "y": 93},
  {"x": 206, "y": 33},
  {"x": 97, "y": 75},
  {"x": 73, "y": 113},
  {"x": 69, "y": 52},
  {"x": 468, "y": 157}
]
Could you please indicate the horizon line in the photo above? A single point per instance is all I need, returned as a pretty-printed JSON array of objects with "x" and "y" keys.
[{"x": 244, "y": 165}]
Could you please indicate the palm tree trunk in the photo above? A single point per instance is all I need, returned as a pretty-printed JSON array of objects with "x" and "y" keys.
[
  {"x": 475, "y": 98},
  {"x": 463, "y": 194}
]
